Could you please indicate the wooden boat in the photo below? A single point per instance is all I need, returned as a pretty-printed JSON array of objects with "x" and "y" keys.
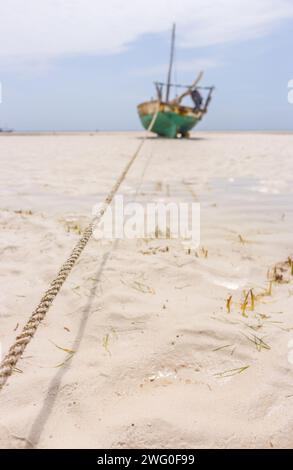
[{"x": 174, "y": 119}]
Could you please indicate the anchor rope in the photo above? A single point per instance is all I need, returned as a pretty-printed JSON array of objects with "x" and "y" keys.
[{"x": 22, "y": 340}]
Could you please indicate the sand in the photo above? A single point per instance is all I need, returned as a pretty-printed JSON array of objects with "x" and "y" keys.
[{"x": 146, "y": 319}]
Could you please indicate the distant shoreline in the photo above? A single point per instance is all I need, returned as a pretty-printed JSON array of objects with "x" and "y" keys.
[{"x": 71, "y": 133}]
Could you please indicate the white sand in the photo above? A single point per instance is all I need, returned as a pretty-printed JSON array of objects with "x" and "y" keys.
[{"x": 144, "y": 369}]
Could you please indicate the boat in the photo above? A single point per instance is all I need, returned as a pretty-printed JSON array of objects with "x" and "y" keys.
[
  {"x": 5, "y": 130},
  {"x": 169, "y": 117}
]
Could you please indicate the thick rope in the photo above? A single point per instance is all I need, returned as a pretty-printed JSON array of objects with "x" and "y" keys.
[{"x": 22, "y": 340}]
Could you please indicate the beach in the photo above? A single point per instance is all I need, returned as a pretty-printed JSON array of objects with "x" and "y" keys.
[{"x": 149, "y": 344}]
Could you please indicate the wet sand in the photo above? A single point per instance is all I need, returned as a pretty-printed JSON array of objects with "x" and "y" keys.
[{"x": 158, "y": 360}]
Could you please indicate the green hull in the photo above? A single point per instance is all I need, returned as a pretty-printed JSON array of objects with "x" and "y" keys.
[
  {"x": 171, "y": 121},
  {"x": 169, "y": 124}
]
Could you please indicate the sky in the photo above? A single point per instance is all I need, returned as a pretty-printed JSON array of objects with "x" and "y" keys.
[{"x": 86, "y": 64}]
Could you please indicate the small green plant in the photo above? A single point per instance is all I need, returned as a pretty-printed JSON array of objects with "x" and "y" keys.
[
  {"x": 105, "y": 342},
  {"x": 204, "y": 252},
  {"x": 244, "y": 304},
  {"x": 222, "y": 347},
  {"x": 290, "y": 263},
  {"x": 70, "y": 353},
  {"x": 252, "y": 300},
  {"x": 228, "y": 303},
  {"x": 231, "y": 372},
  {"x": 258, "y": 342},
  {"x": 242, "y": 240}
]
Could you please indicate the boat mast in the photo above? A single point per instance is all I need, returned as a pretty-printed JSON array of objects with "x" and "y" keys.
[{"x": 170, "y": 63}]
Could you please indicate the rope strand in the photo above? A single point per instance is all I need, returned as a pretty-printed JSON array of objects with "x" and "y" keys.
[{"x": 22, "y": 340}]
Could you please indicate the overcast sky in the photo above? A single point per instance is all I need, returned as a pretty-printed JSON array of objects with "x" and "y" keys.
[{"x": 86, "y": 64}]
